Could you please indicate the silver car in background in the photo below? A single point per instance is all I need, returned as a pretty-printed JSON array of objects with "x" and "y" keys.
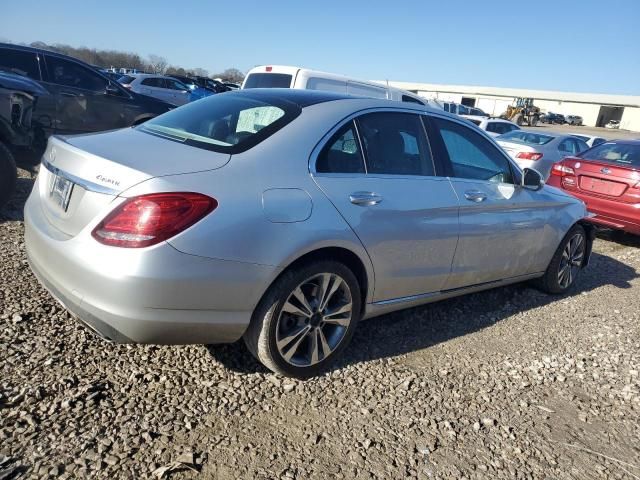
[
  {"x": 158, "y": 86},
  {"x": 532, "y": 149},
  {"x": 285, "y": 217}
]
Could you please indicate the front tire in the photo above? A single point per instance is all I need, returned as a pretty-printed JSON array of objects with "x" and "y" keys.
[
  {"x": 8, "y": 174},
  {"x": 566, "y": 263},
  {"x": 306, "y": 319}
]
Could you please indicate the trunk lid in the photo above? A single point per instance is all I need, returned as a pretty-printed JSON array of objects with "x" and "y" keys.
[
  {"x": 81, "y": 175},
  {"x": 512, "y": 148},
  {"x": 605, "y": 179}
]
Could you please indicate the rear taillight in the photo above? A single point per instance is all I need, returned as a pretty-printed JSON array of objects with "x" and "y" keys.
[
  {"x": 529, "y": 155},
  {"x": 561, "y": 170},
  {"x": 149, "y": 219},
  {"x": 268, "y": 69}
]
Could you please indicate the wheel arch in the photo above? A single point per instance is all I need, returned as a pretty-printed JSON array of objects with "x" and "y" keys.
[
  {"x": 590, "y": 230},
  {"x": 343, "y": 255}
]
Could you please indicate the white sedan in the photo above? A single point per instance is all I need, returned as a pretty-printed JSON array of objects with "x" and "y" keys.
[{"x": 493, "y": 126}]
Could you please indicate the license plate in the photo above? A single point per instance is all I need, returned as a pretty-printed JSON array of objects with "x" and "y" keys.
[{"x": 60, "y": 192}]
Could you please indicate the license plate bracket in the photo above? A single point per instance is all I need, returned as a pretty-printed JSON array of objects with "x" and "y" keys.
[{"x": 60, "y": 191}]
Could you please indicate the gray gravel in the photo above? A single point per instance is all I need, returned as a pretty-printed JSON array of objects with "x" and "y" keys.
[{"x": 510, "y": 383}]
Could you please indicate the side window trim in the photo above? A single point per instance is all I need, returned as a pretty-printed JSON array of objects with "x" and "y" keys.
[
  {"x": 356, "y": 129},
  {"x": 317, "y": 149}
]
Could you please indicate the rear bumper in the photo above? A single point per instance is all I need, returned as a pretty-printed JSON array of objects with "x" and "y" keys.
[
  {"x": 154, "y": 295},
  {"x": 607, "y": 213}
]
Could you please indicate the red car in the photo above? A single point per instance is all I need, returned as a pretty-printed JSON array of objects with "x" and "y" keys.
[{"x": 607, "y": 178}]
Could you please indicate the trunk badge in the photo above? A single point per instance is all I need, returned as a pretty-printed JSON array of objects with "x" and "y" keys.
[{"x": 605, "y": 170}]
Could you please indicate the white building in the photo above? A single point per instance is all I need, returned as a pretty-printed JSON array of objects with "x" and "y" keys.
[{"x": 594, "y": 108}]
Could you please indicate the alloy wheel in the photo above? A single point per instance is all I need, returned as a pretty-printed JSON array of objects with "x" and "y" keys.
[
  {"x": 571, "y": 260},
  {"x": 314, "y": 319}
]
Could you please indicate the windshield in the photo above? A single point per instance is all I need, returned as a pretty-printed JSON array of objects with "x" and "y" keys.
[
  {"x": 228, "y": 123},
  {"x": 527, "y": 138},
  {"x": 623, "y": 154},
  {"x": 268, "y": 80}
]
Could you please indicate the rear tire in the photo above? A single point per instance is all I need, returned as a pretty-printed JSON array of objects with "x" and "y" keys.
[
  {"x": 566, "y": 263},
  {"x": 8, "y": 175},
  {"x": 534, "y": 121},
  {"x": 298, "y": 331}
]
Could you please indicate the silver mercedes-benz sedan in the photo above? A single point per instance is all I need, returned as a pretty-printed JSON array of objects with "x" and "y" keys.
[{"x": 285, "y": 217}]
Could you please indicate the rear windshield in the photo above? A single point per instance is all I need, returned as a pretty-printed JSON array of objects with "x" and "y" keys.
[
  {"x": 268, "y": 80},
  {"x": 527, "y": 138},
  {"x": 125, "y": 79},
  {"x": 227, "y": 123},
  {"x": 616, "y": 153},
  {"x": 581, "y": 137}
]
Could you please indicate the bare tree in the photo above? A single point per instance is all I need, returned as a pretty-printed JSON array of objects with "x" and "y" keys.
[
  {"x": 230, "y": 75},
  {"x": 157, "y": 64}
]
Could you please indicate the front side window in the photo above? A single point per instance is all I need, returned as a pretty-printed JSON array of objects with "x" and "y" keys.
[
  {"x": 152, "y": 82},
  {"x": 342, "y": 153},
  {"x": 229, "y": 123},
  {"x": 70, "y": 74},
  {"x": 19, "y": 62},
  {"x": 395, "y": 144},
  {"x": 175, "y": 85},
  {"x": 471, "y": 155}
]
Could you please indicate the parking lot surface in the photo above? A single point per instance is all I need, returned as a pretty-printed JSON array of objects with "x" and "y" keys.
[
  {"x": 509, "y": 383},
  {"x": 608, "y": 133}
]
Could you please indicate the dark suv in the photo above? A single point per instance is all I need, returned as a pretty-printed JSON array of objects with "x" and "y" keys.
[{"x": 44, "y": 93}]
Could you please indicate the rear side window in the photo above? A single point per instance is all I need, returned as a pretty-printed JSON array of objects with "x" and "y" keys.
[
  {"x": 19, "y": 62},
  {"x": 569, "y": 145},
  {"x": 408, "y": 99},
  {"x": 230, "y": 123},
  {"x": 598, "y": 141},
  {"x": 268, "y": 80},
  {"x": 342, "y": 153},
  {"x": 395, "y": 143},
  {"x": 471, "y": 155},
  {"x": 70, "y": 74}
]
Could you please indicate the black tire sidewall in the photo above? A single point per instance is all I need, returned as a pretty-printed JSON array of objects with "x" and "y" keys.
[
  {"x": 552, "y": 285},
  {"x": 8, "y": 175},
  {"x": 265, "y": 319}
]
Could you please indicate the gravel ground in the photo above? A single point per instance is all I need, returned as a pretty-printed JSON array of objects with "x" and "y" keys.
[{"x": 510, "y": 383}]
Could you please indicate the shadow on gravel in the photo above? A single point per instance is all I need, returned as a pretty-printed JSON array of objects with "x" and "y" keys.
[
  {"x": 14, "y": 209},
  {"x": 619, "y": 237},
  {"x": 422, "y": 327}
]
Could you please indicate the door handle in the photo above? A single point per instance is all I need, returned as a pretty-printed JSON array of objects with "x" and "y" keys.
[
  {"x": 365, "y": 199},
  {"x": 69, "y": 94},
  {"x": 475, "y": 196}
]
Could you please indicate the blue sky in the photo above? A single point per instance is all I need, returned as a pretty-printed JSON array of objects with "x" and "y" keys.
[{"x": 570, "y": 45}]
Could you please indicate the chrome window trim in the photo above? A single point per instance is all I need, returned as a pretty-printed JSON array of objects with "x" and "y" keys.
[
  {"x": 352, "y": 117},
  {"x": 87, "y": 185}
]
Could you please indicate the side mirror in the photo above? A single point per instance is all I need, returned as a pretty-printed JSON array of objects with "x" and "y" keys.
[{"x": 532, "y": 179}]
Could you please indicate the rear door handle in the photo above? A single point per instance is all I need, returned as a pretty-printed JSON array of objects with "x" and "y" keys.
[
  {"x": 475, "y": 196},
  {"x": 69, "y": 94},
  {"x": 365, "y": 199}
]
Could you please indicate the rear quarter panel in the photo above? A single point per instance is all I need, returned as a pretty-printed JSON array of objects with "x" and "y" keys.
[{"x": 241, "y": 229}]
